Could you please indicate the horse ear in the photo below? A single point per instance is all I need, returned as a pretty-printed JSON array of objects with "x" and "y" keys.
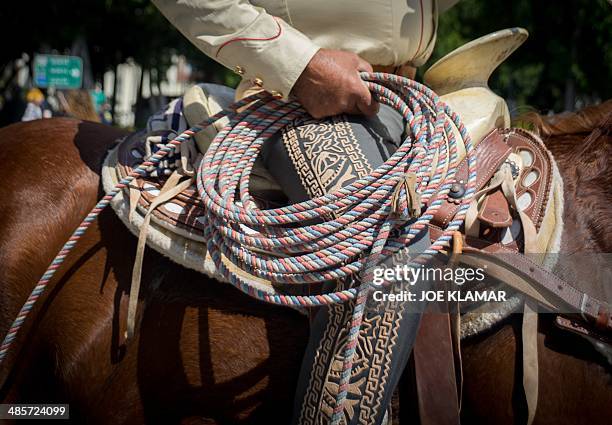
[{"x": 472, "y": 64}]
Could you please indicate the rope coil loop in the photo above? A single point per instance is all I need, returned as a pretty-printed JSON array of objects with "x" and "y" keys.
[
  {"x": 353, "y": 225},
  {"x": 349, "y": 222}
]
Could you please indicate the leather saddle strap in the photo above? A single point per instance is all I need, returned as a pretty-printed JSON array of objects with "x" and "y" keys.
[
  {"x": 490, "y": 153},
  {"x": 171, "y": 188},
  {"x": 534, "y": 276},
  {"x": 435, "y": 374},
  {"x": 530, "y": 358},
  {"x": 591, "y": 309}
]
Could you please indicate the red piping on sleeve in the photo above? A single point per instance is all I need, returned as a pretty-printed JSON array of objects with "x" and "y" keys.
[{"x": 280, "y": 30}]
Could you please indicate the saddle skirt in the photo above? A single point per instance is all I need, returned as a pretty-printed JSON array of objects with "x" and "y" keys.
[{"x": 174, "y": 229}]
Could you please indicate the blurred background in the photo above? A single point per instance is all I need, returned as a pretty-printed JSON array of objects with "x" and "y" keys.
[{"x": 119, "y": 61}]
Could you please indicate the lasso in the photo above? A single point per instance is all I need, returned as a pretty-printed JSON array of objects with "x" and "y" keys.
[{"x": 351, "y": 227}]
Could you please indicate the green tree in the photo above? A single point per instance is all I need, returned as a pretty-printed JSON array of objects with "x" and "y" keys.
[
  {"x": 565, "y": 64},
  {"x": 114, "y": 30}
]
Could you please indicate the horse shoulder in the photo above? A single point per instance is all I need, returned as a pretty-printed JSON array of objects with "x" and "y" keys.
[{"x": 50, "y": 180}]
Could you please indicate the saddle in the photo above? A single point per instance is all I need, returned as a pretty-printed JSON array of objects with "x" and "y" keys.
[{"x": 518, "y": 210}]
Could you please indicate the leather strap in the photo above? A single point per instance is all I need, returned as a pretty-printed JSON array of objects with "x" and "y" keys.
[
  {"x": 530, "y": 274},
  {"x": 495, "y": 211},
  {"x": 435, "y": 371},
  {"x": 171, "y": 188},
  {"x": 591, "y": 309},
  {"x": 489, "y": 155},
  {"x": 530, "y": 358},
  {"x": 455, "y": 322}
]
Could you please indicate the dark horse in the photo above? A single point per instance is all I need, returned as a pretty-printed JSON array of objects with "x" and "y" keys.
[{"x": 205, "y": 353}]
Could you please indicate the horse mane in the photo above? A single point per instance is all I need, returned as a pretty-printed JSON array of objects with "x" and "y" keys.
[
  {"x": 566, "y": 123},
  {"x": 581, "y": 143}
]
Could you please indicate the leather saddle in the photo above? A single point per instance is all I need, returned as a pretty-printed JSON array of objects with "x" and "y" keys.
[{"x": 518, "y": 210}]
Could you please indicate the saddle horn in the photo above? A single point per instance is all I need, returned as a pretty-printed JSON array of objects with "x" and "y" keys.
[
  {"x": 461, "y": 79},
  {"x": 472, "y": 64}
]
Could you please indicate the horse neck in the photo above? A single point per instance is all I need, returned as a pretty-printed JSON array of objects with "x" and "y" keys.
[{"x": 587, "y": 177}]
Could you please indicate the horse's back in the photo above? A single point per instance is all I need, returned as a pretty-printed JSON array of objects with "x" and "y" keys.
[
  {"x": 50, "y": 180},
  {"x": 31, "y": 144}
]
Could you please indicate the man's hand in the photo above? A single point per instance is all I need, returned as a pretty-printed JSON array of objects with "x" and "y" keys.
[{"x": 330, "y": 85}]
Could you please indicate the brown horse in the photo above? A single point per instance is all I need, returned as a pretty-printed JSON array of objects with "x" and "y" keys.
[{"x": 205, "y": 353}]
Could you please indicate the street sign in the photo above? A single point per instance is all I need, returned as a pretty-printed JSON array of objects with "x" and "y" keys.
[{"x": 62, "y": 72}]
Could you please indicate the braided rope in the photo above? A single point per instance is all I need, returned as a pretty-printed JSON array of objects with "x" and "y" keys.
[
  {"x": 140, "y": 171},
  {"x": 353, "y": 226}
]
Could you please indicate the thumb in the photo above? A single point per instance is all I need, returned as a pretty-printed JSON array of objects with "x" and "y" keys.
[
  {"x": 363, "y": 66},
  {"x": 366, "y": 103}
]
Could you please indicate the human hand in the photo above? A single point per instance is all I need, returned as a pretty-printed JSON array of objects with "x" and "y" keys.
[{"x": 330, "y": 85}]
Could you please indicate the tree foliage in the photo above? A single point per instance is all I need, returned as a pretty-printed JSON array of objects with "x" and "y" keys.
[
  {"x": 113, "y": 29},
  {"x": 566, "y": 62}
]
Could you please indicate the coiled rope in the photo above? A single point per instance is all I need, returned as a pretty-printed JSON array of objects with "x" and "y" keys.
[{"x": 355, "y": 227}]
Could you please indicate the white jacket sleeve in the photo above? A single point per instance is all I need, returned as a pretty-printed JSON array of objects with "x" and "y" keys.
[{"x": 244, "y": 38}]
